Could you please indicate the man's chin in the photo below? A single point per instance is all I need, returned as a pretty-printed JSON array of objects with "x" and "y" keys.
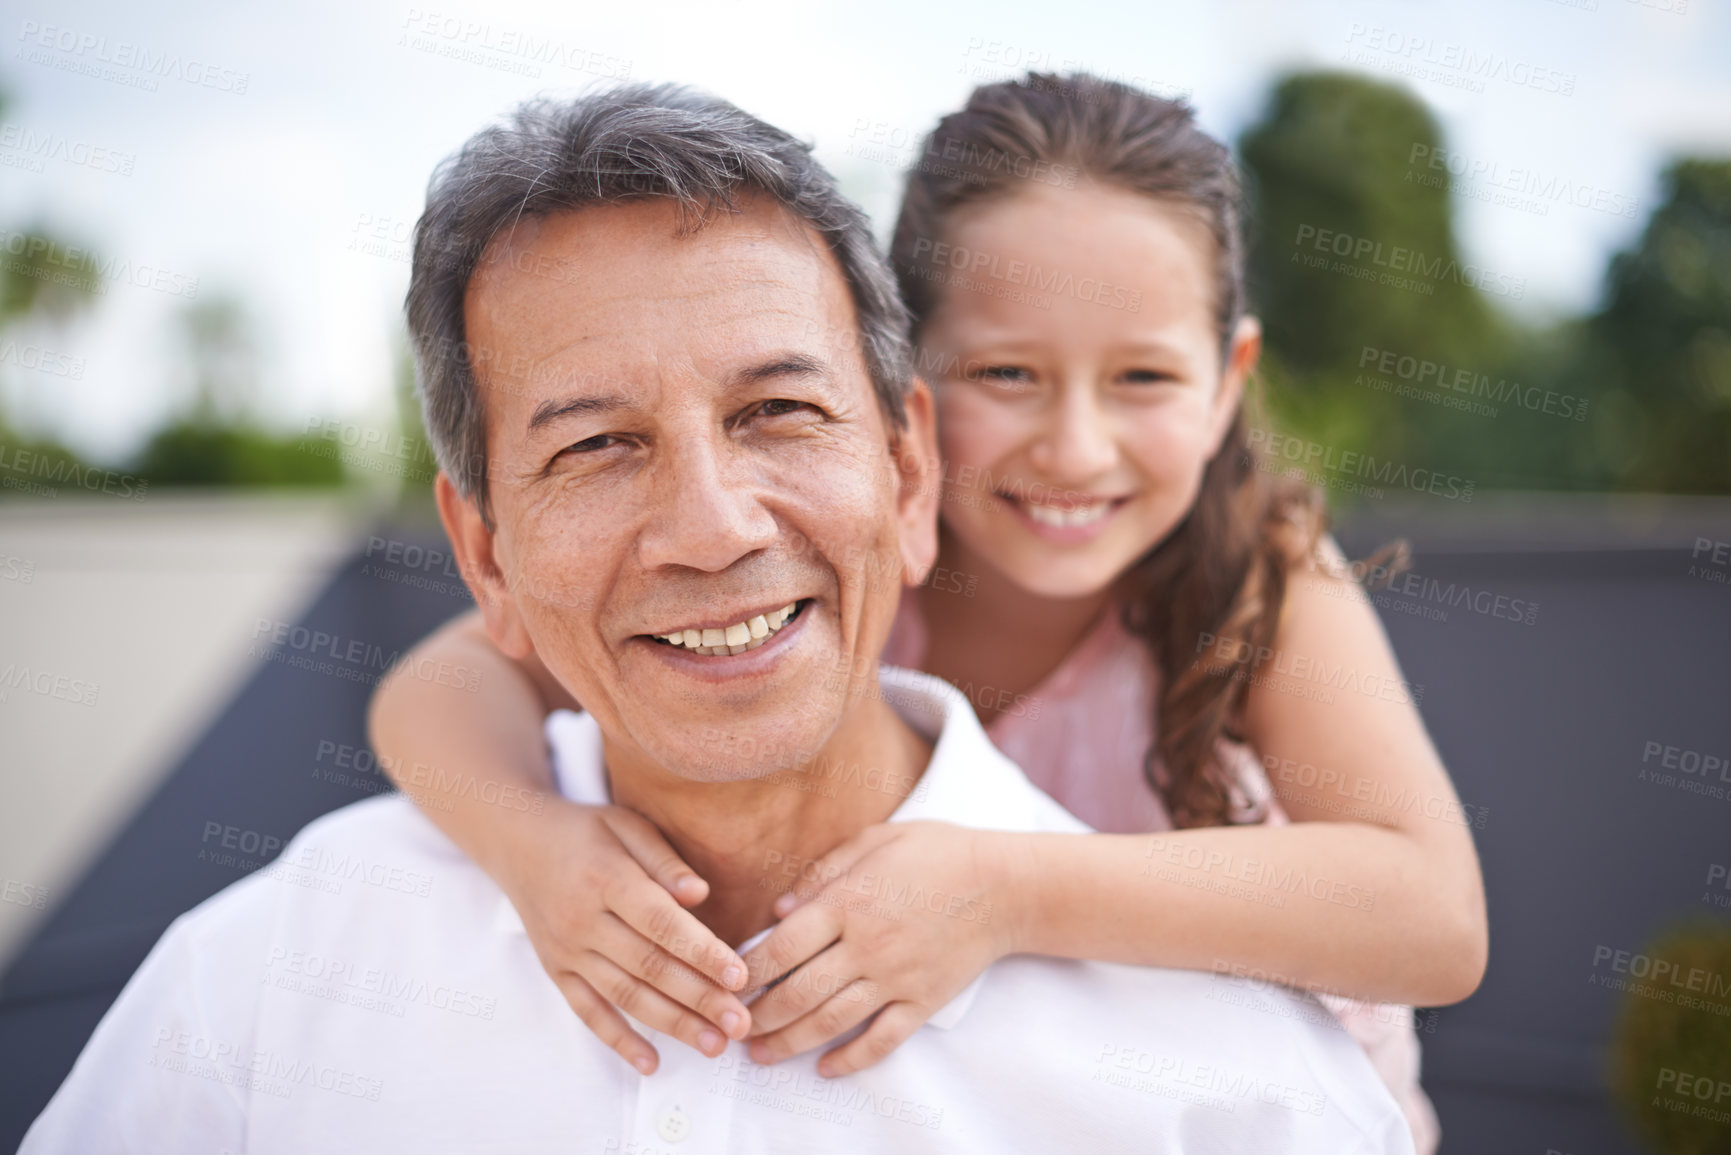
[
  {"x": 737, "y": 751},
  {"x": 741, "y": 737}
]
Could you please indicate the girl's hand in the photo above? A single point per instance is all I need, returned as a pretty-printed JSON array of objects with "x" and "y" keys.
[
  {"x": 602, "y": 895},
  {"x": 905, "y": 916}
]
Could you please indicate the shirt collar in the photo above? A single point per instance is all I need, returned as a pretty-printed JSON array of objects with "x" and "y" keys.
[{"x": 968, "y": 782}]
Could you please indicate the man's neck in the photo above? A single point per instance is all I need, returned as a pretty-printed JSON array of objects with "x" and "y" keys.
[{"x": 753, "y": 840}]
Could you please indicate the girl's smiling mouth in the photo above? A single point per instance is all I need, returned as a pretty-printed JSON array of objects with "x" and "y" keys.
[{"x": 1075, "y": 520}]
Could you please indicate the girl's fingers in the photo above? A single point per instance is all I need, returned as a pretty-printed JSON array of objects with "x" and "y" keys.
[
  {"x": 657, "y": 857},
  {"x": 634, "y": 997},
  {"x": 641, "y": 958},
  {"x": 605, "y": 1023},
  {"x": 894, "y": 1025},
  {"x": 801, "y": 936},
  {"x": 651, "y": 912},
  {"x": 807, "y": 988},
  {"x": 844, "y": 1010},
  {"x": 813, "y": 879}
]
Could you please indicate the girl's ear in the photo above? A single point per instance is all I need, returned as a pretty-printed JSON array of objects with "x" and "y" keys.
[
  {"x": 1241, "y": 358},
  {"x": 919, "y": 483},
  {"x": 472, "y": 543}
]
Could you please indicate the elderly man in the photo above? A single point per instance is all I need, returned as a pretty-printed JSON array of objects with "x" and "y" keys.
[{"x": 667, "y": 378}]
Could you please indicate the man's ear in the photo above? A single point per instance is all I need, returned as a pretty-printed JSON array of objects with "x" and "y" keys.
[
  {"x": 1241, "y": 358},
  {"x": 472, "y": 543},
  {"x": 919, "y": 475}
]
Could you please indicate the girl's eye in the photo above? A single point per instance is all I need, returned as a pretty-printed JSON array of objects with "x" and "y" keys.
[
  {"x": 1007, "y": 378},
  {"x": 1148, "y": 376}
]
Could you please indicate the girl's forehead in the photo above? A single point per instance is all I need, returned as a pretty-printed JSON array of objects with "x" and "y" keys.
[
  {"x": 1097, "y": 268},
  {"x": 1088, "y": 205}
]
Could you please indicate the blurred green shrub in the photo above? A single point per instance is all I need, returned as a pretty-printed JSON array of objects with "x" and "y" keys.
[
  {"x": 192, "y": 452},
  {"x": 1671, "y": 1063}
]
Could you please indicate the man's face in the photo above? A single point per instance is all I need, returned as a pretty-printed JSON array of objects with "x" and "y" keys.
[{"x": 683, "y": 438}]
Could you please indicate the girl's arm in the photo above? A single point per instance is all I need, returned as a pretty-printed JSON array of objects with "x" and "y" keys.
[
  {"x": 1374, "y": 892},
  {"x": 599, "y": 889}
]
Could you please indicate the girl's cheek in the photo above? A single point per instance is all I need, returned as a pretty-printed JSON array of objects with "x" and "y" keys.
[
  {"x": 971, "y": 432},
  {"x": 1169, "y": 446}
]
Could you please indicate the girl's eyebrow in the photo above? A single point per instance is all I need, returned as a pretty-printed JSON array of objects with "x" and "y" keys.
[{"x": 1155, "y": 346}]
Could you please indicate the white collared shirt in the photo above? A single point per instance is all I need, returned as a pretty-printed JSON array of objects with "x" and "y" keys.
[{"x": 373, "y": 991}]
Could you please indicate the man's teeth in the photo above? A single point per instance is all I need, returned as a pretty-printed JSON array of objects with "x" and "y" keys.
[
  {"x": 1052, "y": 515},
  {"x": 735, "y": 639}
]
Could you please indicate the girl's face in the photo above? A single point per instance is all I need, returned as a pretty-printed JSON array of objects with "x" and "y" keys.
[{"x": 1077, "y": 366}]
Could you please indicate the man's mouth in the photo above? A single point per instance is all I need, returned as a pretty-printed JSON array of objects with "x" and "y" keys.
[{"x": 736, "y": 638}]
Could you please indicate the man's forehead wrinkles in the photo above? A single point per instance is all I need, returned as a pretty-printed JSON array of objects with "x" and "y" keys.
[
  {"x": 742, "y": 300},
  {"x": 713, "y": 341}
]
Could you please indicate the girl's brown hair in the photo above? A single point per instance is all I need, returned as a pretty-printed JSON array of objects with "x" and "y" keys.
[{"x": 1215, "y": 585}]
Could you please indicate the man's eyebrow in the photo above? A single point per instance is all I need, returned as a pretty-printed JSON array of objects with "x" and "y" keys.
[
  {"x": 550, "y": 411},
  {"x": 781, "y": 365}
]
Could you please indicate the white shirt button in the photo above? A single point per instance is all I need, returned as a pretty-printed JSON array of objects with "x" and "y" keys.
[{"x": 673, "y": 1123}]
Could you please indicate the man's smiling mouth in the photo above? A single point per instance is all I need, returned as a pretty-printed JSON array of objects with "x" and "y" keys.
[{"x": 736, "y": 638}]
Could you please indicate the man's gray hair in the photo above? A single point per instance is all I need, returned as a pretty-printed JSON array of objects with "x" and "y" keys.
[{"x": 633, "y": 142}]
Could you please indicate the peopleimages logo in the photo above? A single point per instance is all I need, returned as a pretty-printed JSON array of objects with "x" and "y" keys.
[
  {"x": 1447, "y": 62},
  {"x": 84, "y": 52},
  {"x": 1400, "y": 259},
  {"x": 1541, "y": 189},
  {"x": 1453, "y": 379},
  {"x": 83, "y": 269},
  {"x": 39, "y": 147},
  {"x": 1663, "y": 976},
  {"x": 1366, "y": 466},
  {"x": 1055, "y": 282}
]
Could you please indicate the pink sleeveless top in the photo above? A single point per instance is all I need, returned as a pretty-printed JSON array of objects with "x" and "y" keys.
[{"x": 1081, "y": 736}]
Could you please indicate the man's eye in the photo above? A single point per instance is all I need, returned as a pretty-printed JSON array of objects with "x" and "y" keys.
[
  {"x": 592, "y": 444},
  {"x": 781, "y": 406}
]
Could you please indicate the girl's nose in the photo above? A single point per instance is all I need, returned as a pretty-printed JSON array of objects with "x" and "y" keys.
[{"x": 1077, "y": 444}]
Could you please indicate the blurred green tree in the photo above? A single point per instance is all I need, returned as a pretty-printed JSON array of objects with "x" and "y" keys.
[
  {"x": 1346, "y": 155},
  {"x": 1659, "y": 351},
  {"x": 35, "y": 287},
  {"x": 217, "y": 439},
  {"x": 415, "y": 496},
  {"x": 1352, "y": 252}
]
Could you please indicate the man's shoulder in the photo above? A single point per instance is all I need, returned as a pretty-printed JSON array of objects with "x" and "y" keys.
[
  {"x": 1211, "y": 1039},
  {"x": 380, "y": 845},
  {"x": 387, "y": 824}
]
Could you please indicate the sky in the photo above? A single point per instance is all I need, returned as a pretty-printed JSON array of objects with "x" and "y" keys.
[{"x": 280, "y": 153}]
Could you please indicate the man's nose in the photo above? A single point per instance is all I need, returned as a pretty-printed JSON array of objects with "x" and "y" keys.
[
  {"x": 706, "y": 511},
  {"x": 1078, "y": 443}
]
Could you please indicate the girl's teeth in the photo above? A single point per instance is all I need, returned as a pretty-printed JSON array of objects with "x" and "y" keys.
[
  {"x": 1051, "y": 515},
  {"x": 735, "y": 639}
]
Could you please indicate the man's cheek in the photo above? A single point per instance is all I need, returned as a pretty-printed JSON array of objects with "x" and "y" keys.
[{"x": 555, "y": 561}]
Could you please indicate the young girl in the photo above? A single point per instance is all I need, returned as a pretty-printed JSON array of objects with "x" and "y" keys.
[{"x": 1156, "y": 629}]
